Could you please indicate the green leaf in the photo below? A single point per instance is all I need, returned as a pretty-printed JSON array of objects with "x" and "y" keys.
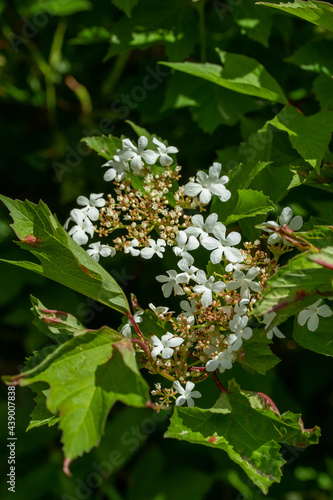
[
  {"x": 326, "y": 255},
  {"x": 256, "y": 355},
  {"x": 105, "y": 146},
  {"x": 40, "y": 414},
  {"x": 315, "y": 56},
  {"x": 309, "y": 135},
  {"x": 323, "y": 90},
  {"x": 294, "y": 287},
  {"x": 320, "y": 237},
  {"x": 61, "y": 259},
  {"x": 246, "y": 203},
  {"x": 238, "y": 73},
  {"x": 172, "y": 24},
  {"x": 319, "y": 13},
  {"x": 242, "y": 176},
  {"x": 210, "y": 105},
  {"x": 87, "y": 375},
  {"x": 58, "y": 325},
  {"x": 268, "y": 144},
  {"x": 87, "y": 36},
  {"x": 320, "y": 341},
  {"x": 255, "y": 22},
  {"x": 56, "y": 8},
  {"x": 125, "y": 5},
  {"x": 244, "y": 425}
]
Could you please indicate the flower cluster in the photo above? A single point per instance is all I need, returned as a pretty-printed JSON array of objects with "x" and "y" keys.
[{"x": 146, "y": 213}]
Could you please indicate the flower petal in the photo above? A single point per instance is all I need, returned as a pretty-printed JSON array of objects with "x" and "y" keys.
[
  {"x": 216, "y": 255},
  {"x": 325, "y": 311},
  {"x": 192, "y": 189},
  {"x": 296, "y": 223},
  {"x": 149, "y": 156},
  {"x": 167, "y": 353},
  {"x": 211, "y": 365},
  {"x": 205, "y": 196},
  {"x": 177, "y": 386},
  {"x": 175, "y": 342},
  {"x": 142, "y": 142},
  {"x": 147, "y": 253},
  {"x": 313, "y": 322},
  {"x": 210, "y": 243},
  {"x": 286, "y": 216},
  {"x": 304, "y": 316}
]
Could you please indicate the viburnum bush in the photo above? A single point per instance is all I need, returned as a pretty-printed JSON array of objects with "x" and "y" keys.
[{"x": 230, "y": 310}]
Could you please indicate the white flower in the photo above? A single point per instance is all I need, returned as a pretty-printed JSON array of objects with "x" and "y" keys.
[
  {"x": 223, "y": 361},
  {"x": 240, "y": 331},
  {"x": 234, "y": 267},
  {"x": 164, "y": 151},
  {"x": 172, "y": 282},
  {"x": 185, "y": 245},
  {"x": 286, "y": 218},
  {"x": 207, "y": 185},
  {"x": 165, "y": 345},
  {"x": 189, "y": 270},
  {"x": 117, "y": 171},
  {"x": 200, "y": 227},
  {"x": 241, "y": 308},
  {"x": 310, "y": 315},
  {"x": 83, "y": 226},
  {"x": 154, "y": 247},
  {"x": 244, "y": 282},
  {"x": 159, "y": 310},
  {"x": 268, "y": 318},
  {"x": 187, "y": 394},
  {"x": 96, "y": 250},
  {"x": 127, "y": 329},
  {"x": 91, "y": 206},
  {"x": 189, "y": 307},
  {"x": 137, "y": 154},
  {"x": 207, "y": 287},
  {"x": 130, "y": 248},
  {"x": 223, "y": 245}
]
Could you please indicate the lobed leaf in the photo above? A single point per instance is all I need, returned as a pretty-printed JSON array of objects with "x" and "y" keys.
[
  {"x": 244, "y": 203},
  {"x": 319, "y": 13},
  {"x": 105, "y": 146},
  {"x": 248, "y": 427},
  {"x": 87, "y": 375},
  {"x": 320, "y": 341},
  {"x": 210, "y": 105},
  {"x": 238, "y": 73},
  {"x": 256, "y": 355},
  {"x": 58, "y": 325},
  {"x": 125, "y": 5},
  {"x": 309, "y": 135},
  {"x": 175, "y": 29},
  {"x": 295, "y": 286},
  {"x": 61, "y": 259},
  {"x": 254, "y": 21},
  {"x": 40, "y": 414}
]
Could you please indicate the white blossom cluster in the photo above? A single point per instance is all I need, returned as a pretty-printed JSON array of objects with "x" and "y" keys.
[{"x": 211, "y": 235}]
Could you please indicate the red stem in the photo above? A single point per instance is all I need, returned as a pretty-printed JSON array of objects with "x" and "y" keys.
[
  {"x": 218, "y": 383},
  {"x": 135, "y": 326},
  {"x": 142, "y": 344}
]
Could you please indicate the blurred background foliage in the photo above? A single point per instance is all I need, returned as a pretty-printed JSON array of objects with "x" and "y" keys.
[{"x": 72, "y": 68}]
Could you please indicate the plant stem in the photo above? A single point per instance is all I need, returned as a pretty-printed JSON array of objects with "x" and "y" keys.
[
  {"x": 142, "y": 344},
  {"x": 136, "y": 328},
  {"x": 117, "y": 71},
  {"x": 218, "y": 383},
  {"x": 202, "y": 30}
]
